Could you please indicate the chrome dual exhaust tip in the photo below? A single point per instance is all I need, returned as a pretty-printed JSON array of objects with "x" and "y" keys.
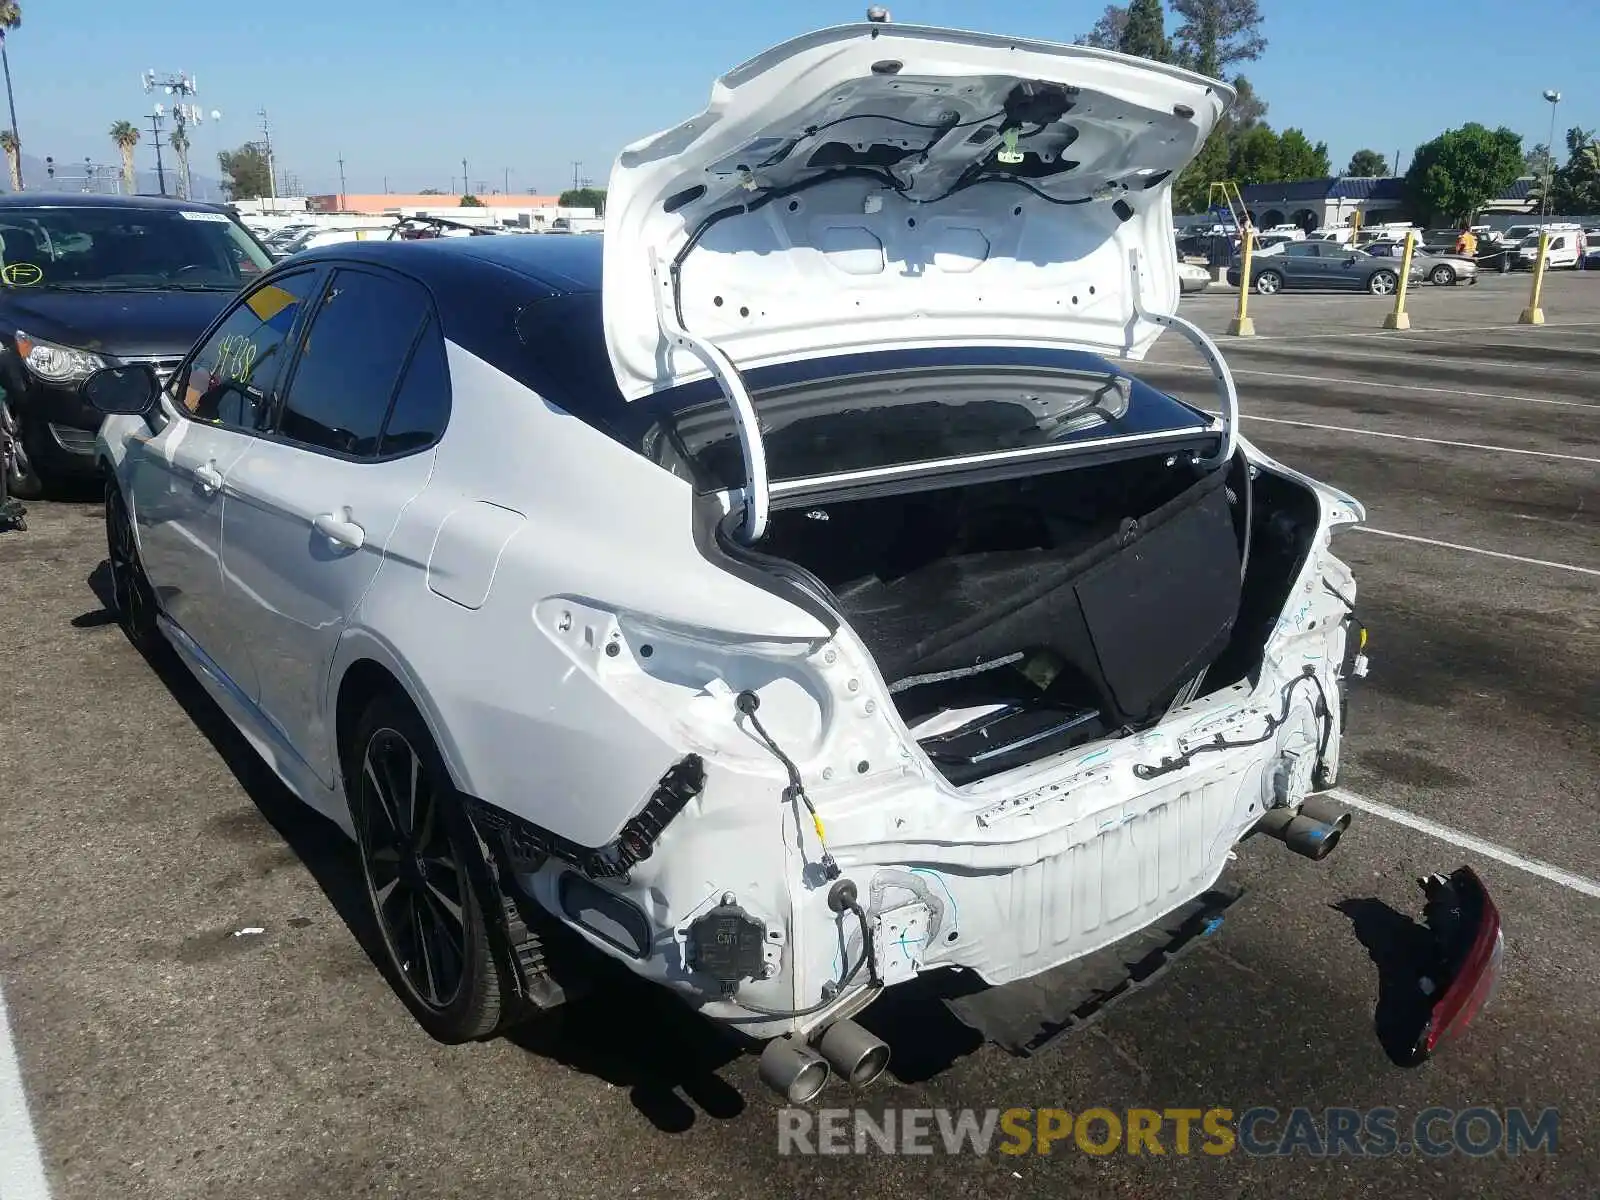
[
  {"x": 855, "y": 1054},
  {"x": 799, "y": 1072},
  {"x": 793, "y": 1069},
  {"x": 1313, "y": 830}
]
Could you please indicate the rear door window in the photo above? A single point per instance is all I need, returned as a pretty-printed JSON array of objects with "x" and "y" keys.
[
  {"x": 422, "y": 405},
  {"x": 359, "y": 339}
]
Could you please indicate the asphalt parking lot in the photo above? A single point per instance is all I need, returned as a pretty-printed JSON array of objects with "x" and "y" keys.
[{"x": 165, "y": 1054}]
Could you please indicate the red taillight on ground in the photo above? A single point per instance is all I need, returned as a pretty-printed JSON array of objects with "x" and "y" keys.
[{"x": 1472, "y": 947}]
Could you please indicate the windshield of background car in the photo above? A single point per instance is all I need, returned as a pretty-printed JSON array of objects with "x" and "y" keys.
[{"x": 109, "y": 249}]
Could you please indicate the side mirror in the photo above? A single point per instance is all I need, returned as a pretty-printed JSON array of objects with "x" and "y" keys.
[{"x": 122, "y": 391}]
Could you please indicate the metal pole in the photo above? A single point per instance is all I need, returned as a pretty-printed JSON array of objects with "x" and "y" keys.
[
  {"x": 341, "y": 182},
  {"x": 272, "y": 174},
  {"x": 155, "y": 137},
  {"x": 464, "y": 185},
  {"x": 11, "y": 100},
  {"x": 1534, "y": 313},
  {"x": 1550, "y": 158}
]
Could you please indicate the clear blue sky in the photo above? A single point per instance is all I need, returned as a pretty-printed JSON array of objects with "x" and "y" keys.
[{"x": 406, "y": 90}]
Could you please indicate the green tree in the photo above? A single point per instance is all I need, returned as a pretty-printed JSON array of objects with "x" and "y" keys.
[
  {"x": 1107, "y": 31},
  {"x": 430, "y": 192},
  {"x": 1145, "y": 33},
  {"x": 1248, "y": 109},
  {"x": 1367, "y": 164},
  {"x": 585, "y": 197},
  {"x": 1191, "y": 193},
  {"x": 1459, "y": 171},
  {"x": 471, "y": 201},
  {"x": 1216, "y": 34},
  {"x": 247, "y": 175},
  {"x": 1575, "y": 189},
  {"x": 1299, "y": 159},
  {"x": 11, "y": 144},
  {"x": 1256, "y": 156},
  {"x": 1538, "y": 162},
  {"x": 125, "y": 135}
]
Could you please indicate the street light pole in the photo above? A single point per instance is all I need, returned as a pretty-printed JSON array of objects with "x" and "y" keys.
[{"x": 1554, "y": 97}]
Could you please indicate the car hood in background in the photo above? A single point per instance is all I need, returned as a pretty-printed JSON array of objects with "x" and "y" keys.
[
  {"x": 880, "y": 185},
  {"x": 117, "y": 323}
]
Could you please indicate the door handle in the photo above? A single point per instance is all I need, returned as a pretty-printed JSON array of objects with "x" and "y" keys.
[
  {"x": 340, "y": 529},
  {"x": 208, "y": 479}
]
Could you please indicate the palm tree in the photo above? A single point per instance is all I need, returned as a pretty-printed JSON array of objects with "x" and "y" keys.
[
  {"x": 179, "y": 141},
  {"x": 12, "y": 145},
  {"x": 11, "y": 18},
  {"x": 126, "y": 135}
]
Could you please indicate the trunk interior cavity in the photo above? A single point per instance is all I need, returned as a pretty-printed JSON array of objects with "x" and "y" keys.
[{"x": 1017, "y": 619}]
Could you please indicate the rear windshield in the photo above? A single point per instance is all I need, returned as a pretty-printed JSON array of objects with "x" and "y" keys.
[
  {"x": 846, "y": 413},
  {"x": 111, "y": 249},
  {"x": 892, "y": 416}
]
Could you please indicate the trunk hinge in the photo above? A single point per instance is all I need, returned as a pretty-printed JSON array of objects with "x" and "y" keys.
[
  {"x": 757, "y": 489},
  {"x": 1227, "y": 393}
]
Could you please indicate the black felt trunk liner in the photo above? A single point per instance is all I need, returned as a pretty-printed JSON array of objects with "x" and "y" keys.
[{"x": 1137, "y": 607}]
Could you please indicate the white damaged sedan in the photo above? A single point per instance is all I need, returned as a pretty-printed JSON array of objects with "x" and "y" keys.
[{"x": 788, "y": 595}]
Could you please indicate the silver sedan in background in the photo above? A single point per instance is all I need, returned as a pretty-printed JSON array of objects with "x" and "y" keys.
[{"x": 1438, "y": 266}]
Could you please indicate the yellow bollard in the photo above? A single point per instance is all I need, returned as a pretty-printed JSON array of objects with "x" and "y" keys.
[
  {"x": 1242, "y": 325},
  {"x": 1533, "y": 314},
  {"x": 1400, "y": 318}
]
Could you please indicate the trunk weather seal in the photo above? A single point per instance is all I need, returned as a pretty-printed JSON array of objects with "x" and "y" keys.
[{"x": 1227, "y": 392}]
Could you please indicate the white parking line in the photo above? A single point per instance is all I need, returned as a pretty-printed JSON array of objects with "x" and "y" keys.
[
  {"x": 21, "y": 1170},
  {"x": 1460, "y": 360},
  {"x": 1392, "y": 335},
  {"x": 1535, "y": 562},
  {"x": 1408, "y": 437},
  {"x": 1384, "y": 383},
  {"x": 1467, "y": 841}
]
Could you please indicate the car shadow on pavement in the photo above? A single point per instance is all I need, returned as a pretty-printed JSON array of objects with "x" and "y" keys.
[{"x": 1401, "y": 949}]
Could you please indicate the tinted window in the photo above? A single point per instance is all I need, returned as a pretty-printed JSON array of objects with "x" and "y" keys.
[
  {"x": 359, "y": 337},
  {"x": 1300, "y": 250},
  {"x": 423, "y": 403},
  {"x": 230, "y": 378}
]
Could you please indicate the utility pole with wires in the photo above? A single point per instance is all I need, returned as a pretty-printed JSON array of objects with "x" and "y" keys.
[
  {"x": 465, "y": 186},
  {"x": 507, "y": 189},
  {"x": 155, "y": 140},
  {"x": 576, "y": 166},
  {"x": 341, "y": 181},
  {"x": 272, "y": 170}
]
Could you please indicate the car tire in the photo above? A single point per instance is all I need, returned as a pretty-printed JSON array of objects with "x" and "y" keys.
[
  {"x": 417, "y": 855},
  {"x": 21, "y": 467},
  {"x": 1383, "y": 283},
  {"x": 1443, "y": 275},
  {"x": 1269, "y": 283},
  {"x": 133, "y": 600}
]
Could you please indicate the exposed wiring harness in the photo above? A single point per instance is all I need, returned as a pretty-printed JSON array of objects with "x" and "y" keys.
[
  {"x": 841, "y": 897},
  {"x": 1274, "y": 723},
  {"x": 747, "y": 702}
]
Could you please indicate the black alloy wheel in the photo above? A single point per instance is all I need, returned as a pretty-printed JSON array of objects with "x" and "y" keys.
[{"x": 414, "y": 849}]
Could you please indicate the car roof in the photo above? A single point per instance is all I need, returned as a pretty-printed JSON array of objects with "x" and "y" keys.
[
  {"x": 563, "y": 265},
  {"x": 10, "y": 200}
]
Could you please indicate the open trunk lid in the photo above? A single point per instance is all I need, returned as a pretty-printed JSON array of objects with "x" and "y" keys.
[{"x": 878, "y": 185}]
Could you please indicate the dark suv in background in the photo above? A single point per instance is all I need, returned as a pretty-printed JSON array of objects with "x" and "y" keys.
[{"x": 91, "y": 281}]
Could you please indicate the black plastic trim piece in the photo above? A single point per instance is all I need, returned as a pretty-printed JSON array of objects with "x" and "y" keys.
[{"x": 528, "y": 846}]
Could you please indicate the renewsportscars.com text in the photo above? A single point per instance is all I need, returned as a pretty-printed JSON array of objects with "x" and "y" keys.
[{"x": 1258, "y": 1132}]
